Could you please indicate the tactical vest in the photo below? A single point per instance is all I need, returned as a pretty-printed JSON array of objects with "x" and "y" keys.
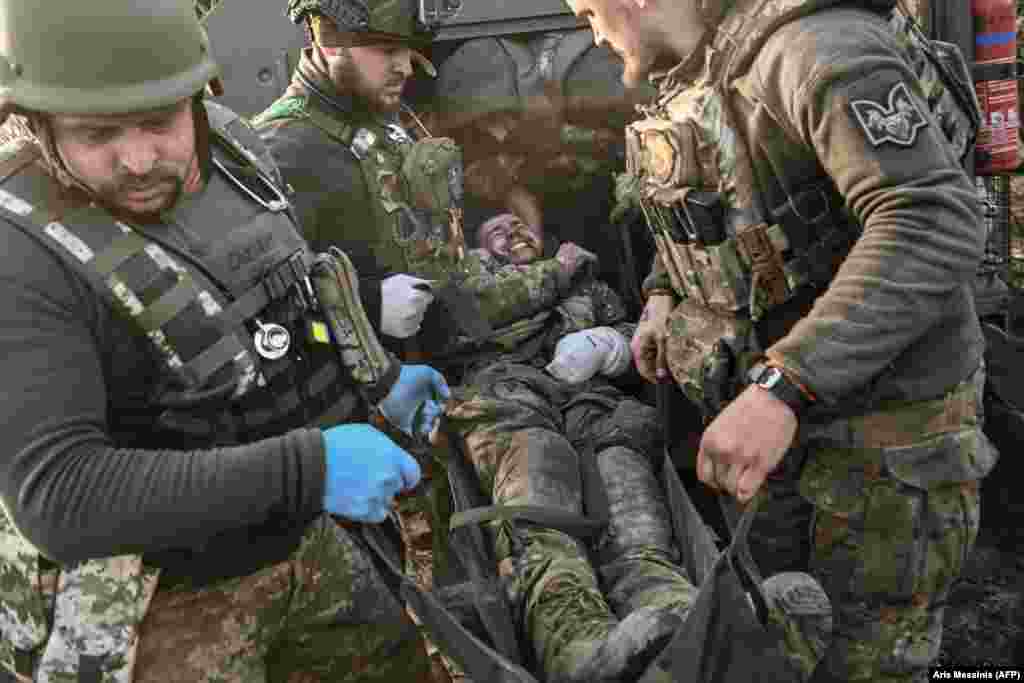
[
  {"x": 251, "y": 340},
  {"x": 745, "y": 252},
  {"x": 415, "y": 187}
]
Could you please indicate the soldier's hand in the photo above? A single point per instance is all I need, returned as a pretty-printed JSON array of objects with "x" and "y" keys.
[
  {"x": 745, "y": 443},
  {"x": 573, "y": 257},
  {"x": 648, "y": 345},
  {"x": 404, "y": 303}
]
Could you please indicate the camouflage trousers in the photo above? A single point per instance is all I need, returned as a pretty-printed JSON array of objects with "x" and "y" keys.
[
  {"x": 523, "y": 432},
  {"x": 884, "y": 514},
  {"x": 323, "y": 615}
]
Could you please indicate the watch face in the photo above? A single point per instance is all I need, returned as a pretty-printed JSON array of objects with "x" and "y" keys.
[{"x": 770, "y": 377}]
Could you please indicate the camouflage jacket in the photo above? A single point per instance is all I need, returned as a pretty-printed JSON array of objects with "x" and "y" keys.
[
  {"x": 532, "y": 315},
  {"x": 834, "y": 94}
]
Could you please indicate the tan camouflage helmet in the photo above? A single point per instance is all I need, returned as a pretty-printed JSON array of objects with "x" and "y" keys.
[{"x": 100, "y": 56}]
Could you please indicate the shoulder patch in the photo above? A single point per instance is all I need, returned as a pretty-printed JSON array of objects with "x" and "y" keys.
[{"x": 896, "y": 120}]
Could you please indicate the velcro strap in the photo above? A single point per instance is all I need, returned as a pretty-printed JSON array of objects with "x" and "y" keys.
[
  {"x": 168, "y": 305},
  {"x": 570, "y": 523},
  {"x": 273, "y": 287},
  {"x": 210, "y": 360},
  {"x": 765, "y": 262},
  {"x": 118, "y": 252}
]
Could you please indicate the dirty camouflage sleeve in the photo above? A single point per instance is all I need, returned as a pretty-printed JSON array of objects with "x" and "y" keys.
[
  {"x": 836, "y": 84},
  {"x": 65, "y": 479},
  {"x": 592, "y": 303},
  {"x": 508, "y": 292}
]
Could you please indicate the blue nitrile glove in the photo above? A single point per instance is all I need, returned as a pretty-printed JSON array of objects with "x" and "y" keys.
[
  {"x": 415, "y": 402},
  {"x": 365, "y": 470}
]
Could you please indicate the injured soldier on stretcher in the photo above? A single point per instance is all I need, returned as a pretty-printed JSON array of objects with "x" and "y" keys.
[{"x": 540, "y": 418}]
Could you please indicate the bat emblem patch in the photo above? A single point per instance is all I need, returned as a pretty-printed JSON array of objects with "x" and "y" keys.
[{"x": 897, "y": 121}]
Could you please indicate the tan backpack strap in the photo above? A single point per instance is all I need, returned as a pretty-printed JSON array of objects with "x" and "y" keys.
[{"x": 16, "y": 155}]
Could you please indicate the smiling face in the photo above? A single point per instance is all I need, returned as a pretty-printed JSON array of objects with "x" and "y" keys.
[
  {"x": 138, "y": 163},
  {"x": 508, "y": 238}
]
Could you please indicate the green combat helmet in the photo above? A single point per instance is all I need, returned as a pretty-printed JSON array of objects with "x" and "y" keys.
[
  {"x": 114, "y": 56},
  {"x": 378, "y": 21}
]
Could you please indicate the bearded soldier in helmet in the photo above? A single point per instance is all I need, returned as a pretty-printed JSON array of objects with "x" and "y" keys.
[
  {"x": 368, "y": 175},
  {"x": 179, "y": 364},
  {"x": 800, "y": 172}
]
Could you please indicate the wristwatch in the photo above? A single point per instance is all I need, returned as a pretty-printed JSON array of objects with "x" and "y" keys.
[{"x": 773, "y": 380}]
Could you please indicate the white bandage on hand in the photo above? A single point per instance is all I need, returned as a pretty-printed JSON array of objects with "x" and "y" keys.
[
  {"x": 581, "y": 355},
  {"x": 404, "y": 302}
]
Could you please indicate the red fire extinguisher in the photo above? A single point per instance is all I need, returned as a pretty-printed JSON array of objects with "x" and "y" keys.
[{"x": 995, "y": 80}]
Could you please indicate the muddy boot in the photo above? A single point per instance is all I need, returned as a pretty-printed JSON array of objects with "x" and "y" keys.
[
  {"x": 575, "y": 636},
  {"x": 639, "y": 562},
  {"x": 800, "y": 606}
]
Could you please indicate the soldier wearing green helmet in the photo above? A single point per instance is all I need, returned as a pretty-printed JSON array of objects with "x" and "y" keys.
[{"x": 187, "y": 374}]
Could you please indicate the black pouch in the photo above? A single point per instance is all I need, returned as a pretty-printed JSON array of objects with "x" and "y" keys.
[{"x": 703, "y": 213}]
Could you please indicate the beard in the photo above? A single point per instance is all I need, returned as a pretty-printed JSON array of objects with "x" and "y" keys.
[
  {"x": 384, "y": 99},
  {"x": 142, "y": 198}
]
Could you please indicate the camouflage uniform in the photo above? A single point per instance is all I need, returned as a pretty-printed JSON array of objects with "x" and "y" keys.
[
  {"x": 856, "y": 281},
  {"x": 376, "y": 186},
  {"x": 524, "y": 432},
  {"x": 382, "y": 191},
  {"x": 163, "y": 485}
]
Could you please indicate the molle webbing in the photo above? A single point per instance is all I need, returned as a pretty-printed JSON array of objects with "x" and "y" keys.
[{"x": 197, "y": 331}]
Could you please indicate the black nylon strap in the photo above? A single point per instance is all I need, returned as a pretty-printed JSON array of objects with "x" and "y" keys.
[
  {"x": 1001, "y": 71},
  {"x": 167, "y": 307},
  {"x": 570, "y": 523},
  {"x": 477, "y": 659},
  {"x": 90, "y": 668},
  {"x": 213, "y": 358},
  {"x": 118, "y": 252}
]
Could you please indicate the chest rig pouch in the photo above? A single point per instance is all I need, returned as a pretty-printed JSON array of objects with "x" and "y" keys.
[
  {"x": 746, "y": 254},
  {"x": 416, "y": 191}
]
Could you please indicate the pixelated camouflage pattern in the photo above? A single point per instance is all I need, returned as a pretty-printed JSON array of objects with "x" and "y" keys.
[
  {"x": 324, "y": 615},
  {"x": 24, "y": 610},
  {"x": 99, "y": 606}
]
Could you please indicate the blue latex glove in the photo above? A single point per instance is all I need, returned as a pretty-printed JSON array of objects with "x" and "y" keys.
[
  {"x": 365, "y": 470},
  {"x": 415, "y": 402}
]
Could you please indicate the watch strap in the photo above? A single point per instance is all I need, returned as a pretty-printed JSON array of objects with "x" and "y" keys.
[{"x": 776, "y": 381}]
